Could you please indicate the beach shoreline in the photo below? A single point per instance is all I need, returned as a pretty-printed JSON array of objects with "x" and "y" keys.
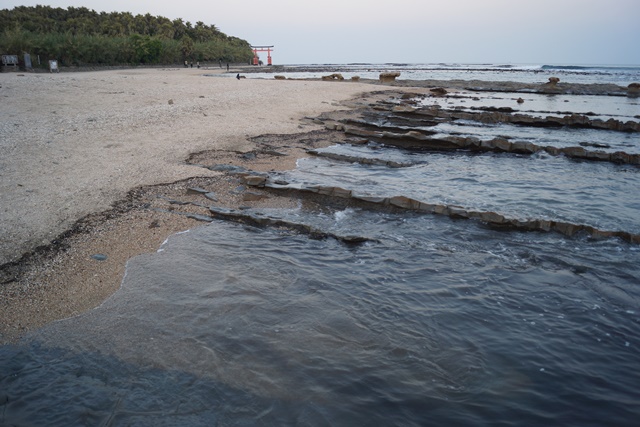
[
  {"x": 107, "y": 151},
  {"x": 120, "y": 160}
]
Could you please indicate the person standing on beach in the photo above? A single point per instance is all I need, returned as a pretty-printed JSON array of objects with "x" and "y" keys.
[{"x": 227, "y": 66}]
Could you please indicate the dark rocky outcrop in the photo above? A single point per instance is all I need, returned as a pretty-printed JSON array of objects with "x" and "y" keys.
[
  {"x": 363, "y": 161},
  {"x": 439, "y": 91},
  {"x": 264, "y": 221},
  {"x": 417, "y": 141},
  {"x": 505, "y": 115},
  {"x": 388, "y": 77},
  {"x": 334, "y": 76}
]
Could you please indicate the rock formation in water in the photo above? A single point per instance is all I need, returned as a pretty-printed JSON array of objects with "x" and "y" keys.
[
  {"x": 335, "y": 76},
  {"x": 389, "y": 77},
  {"x": 490, "y": 218}
]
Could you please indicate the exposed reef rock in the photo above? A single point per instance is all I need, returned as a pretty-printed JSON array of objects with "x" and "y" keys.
[
  {"x": 507, "y": 115},
  {"x": 363, "y": 161},
  {"x": 335, "y": 76},
  {"x": 492, "y": 219},
  {"x": 273, "y": 182},
  {"x": 404, "y": 124},
  {"x": 264, "y": 221},
  {"x": 505, "y": 86},
  {"x": 479, "y": 85},
  {"x": 439, "y": 91},
  {"x": 389, "y": 77},
  {"x": 423, "y": 141}
]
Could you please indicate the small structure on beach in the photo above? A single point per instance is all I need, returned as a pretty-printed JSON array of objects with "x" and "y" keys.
[
  {"x": 53, "y": 66},
  {"x": 10, "y": 62}
]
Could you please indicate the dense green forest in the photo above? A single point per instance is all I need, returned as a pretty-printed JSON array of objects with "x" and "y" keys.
[{"x": 80, "y": 36}]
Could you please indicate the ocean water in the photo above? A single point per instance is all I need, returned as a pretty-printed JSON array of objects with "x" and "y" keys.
[
  {"x": 621, "y": 75},
  {"x": 429, "y": 321}
]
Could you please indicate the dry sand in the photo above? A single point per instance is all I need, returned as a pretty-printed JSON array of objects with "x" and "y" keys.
[{"x": 74, "y": 145}]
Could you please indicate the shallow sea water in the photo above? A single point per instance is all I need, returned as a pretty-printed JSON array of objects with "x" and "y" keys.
[
  {"x": 440, "y": 322},
  {"x": 433, "y": 321}
]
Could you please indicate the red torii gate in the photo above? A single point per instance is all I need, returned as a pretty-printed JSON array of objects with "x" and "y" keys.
[{"x": 257, "y": 49}]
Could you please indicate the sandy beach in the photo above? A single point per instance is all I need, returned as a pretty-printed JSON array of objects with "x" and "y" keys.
[{"x": 86, "y": 156}]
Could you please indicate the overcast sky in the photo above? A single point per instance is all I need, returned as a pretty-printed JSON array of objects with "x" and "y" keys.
[{"x": 413, "y": 31}]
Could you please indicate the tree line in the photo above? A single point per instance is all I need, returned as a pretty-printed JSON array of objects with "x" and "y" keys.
[{"x": 80, "y": 36}]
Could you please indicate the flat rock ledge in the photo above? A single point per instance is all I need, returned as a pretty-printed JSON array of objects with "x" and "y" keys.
[
  {"x": 265, "y": 221},
  {"x": 492, "y": 219},
  {"x": 397, "y": 125},
  {"x": 421, "y": 141},
  {"x": 508, "y": 115}
]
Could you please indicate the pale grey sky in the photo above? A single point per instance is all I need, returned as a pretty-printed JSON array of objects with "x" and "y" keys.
[{"x": 413, "y": 31}]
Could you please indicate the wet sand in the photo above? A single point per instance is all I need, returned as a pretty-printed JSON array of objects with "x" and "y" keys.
[{"x": 92, "y": 163}]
